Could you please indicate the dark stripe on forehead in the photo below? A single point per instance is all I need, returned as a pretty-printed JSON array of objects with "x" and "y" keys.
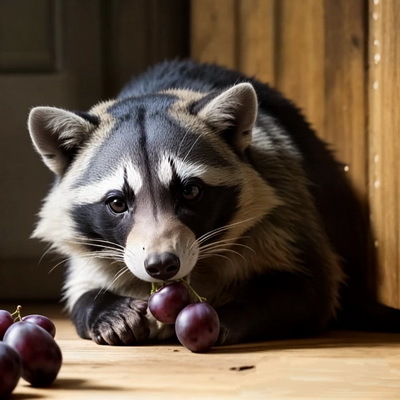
[
  {"x": 123, "y": 138},
  {"x": 127, "y": 189},
  {"x": 144, "y": 128},
  {"x": 151, "y": 102},
  {"x": 165, "y": 132},
  {"x": 149, "y": 183}
]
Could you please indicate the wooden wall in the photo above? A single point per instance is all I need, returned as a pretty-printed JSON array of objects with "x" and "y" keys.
[
  {"x": 384, "y": 144},
  {"x": 339, "y": 61},
  {"x": 139, "y": 34}
]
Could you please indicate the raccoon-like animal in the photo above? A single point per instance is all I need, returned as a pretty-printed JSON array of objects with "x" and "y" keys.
[{"x": 200, "y": 173}]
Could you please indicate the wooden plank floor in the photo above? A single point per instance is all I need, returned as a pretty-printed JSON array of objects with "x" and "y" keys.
[{"x": 338, "y": 365}]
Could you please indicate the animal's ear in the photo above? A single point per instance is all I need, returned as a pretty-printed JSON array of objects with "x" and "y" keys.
[
  {"x": 233, "y": 112},
  {"x": 57, "y": 135}
]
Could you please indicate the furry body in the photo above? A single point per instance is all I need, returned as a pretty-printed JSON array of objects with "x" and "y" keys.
[{"x": 201, "y": 173}]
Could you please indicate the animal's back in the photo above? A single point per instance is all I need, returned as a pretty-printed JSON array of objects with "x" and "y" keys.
[
  {"x": 341, "y": 210},
  {"x": 202, "y": 173}
]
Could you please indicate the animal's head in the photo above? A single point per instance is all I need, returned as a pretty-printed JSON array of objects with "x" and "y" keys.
[{"x": 152, "y": 180}]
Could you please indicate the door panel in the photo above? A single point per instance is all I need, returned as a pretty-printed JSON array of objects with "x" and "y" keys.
[
  {"x": 38, "y": 66},
  {"x": 69, "y": 54}
]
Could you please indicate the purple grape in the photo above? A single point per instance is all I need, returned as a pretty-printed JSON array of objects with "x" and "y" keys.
[
  {"x": 197, "y": 327},
  {"x": 10, "y": 369},
  {"x": 167, "y": 302},
  {"x": 41, "y": 357},
  {"x": 42, "y": 321},
  {"x": 6, "y": 320}
]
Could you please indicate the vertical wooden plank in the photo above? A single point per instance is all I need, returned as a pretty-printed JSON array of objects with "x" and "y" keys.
[
  {"x": 169, "y": 29},
  {"x": 299, "y": 71},
  {"x": 73, "y": 82},
  {"x": 213, "y": 31},
  {"x": 138, "y": 34},
  {"x": 345, "y": 86},
  {"x": 384, "y": 154},
  {"x": 256, "y": 39}
]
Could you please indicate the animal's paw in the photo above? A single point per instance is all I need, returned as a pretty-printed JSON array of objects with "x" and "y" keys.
[{"x": 124, "y": 323}]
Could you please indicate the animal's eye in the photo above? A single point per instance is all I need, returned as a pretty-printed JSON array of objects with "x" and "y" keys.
[
  {"x": 117, "y": 204},
  {"x": 191, "y": 192}
]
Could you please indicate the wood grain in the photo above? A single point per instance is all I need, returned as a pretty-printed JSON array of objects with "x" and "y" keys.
[
  {"x": 313, "y": 51},
  {"x": 345, "y": 86},
  {"x": 213, "y": 31},
  {"x": 299, "y": 56},
  {"x": 337, "y": 365},
  {"x": 139, "y": 34},
  {"x": 384, "y": 151},
  {"x": 256, "y": 39}
]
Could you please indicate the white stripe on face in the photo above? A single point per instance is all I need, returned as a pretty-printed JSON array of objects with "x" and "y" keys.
[
  {"x": 95, "y": 191},
  {"x": 133, "y": 177},
  {"x": 227, "y": 176}
]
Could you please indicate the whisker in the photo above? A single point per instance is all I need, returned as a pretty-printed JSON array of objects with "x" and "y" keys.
[
  {"x": 212, "y": 233},
  {"x": 227, "y": 241},
  {"x": 219, "y": 249},
  {"x": 182, "y": 142},
  {"x": 191, "y": 148},
  {"x": 118, "y": 261},
  {"x": 83, "y": 256},
  {"x": 118, "y": 275},
  {"x": 220, "y": 246},
  {"x": 94, "y": 244},
  {"x": 58, "y": 264},
  {"x": 217, "y": 255},
  {"x": 223, "y": 243},
  {"x": 217, "y": 231},
  {"x": 93, "y": 255},
  {"x": 108, "y": 253},
  {"x": 99, "y": 241},
  {"x": 49, "y": 248}
]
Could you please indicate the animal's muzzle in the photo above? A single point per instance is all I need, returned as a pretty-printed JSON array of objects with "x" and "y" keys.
[{"x": 162, "y": 266}]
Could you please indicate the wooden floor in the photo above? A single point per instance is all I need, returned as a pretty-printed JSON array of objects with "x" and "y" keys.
[{"x": 340, "y": 365}]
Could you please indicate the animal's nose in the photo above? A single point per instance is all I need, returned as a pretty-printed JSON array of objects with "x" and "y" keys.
[{"x": 162, "y": 266}]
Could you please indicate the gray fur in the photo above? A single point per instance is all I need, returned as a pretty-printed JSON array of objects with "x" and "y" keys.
[{"x": 141, "y": 145}]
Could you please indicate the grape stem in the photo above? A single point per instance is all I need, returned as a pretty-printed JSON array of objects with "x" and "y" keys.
[
  {"x": 155, "y": 287},
  {"x": 17, "y": 314},
  {"x": 194, "y": 293}
]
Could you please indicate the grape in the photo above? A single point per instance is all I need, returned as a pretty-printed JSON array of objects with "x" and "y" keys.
[
  {"x": 6, "y": 321},
  {"x": 167, "y": 302},
  {"x": 197, "y": 327},
  {"x": 42, "y": 321},
  {"x": 40, "y": 354},
  {"x": 10, "y": 369}
]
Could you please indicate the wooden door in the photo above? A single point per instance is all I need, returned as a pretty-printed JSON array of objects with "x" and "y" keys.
[
  {"x": 69, "y": 54},
  {"x": 37, "y": 68}
]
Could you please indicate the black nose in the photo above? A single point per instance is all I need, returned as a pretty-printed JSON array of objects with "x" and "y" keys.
[{"x": 162, "y": 266}]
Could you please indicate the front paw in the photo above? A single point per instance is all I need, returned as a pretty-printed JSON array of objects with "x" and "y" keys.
[{"x": 123, "y": 323}]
